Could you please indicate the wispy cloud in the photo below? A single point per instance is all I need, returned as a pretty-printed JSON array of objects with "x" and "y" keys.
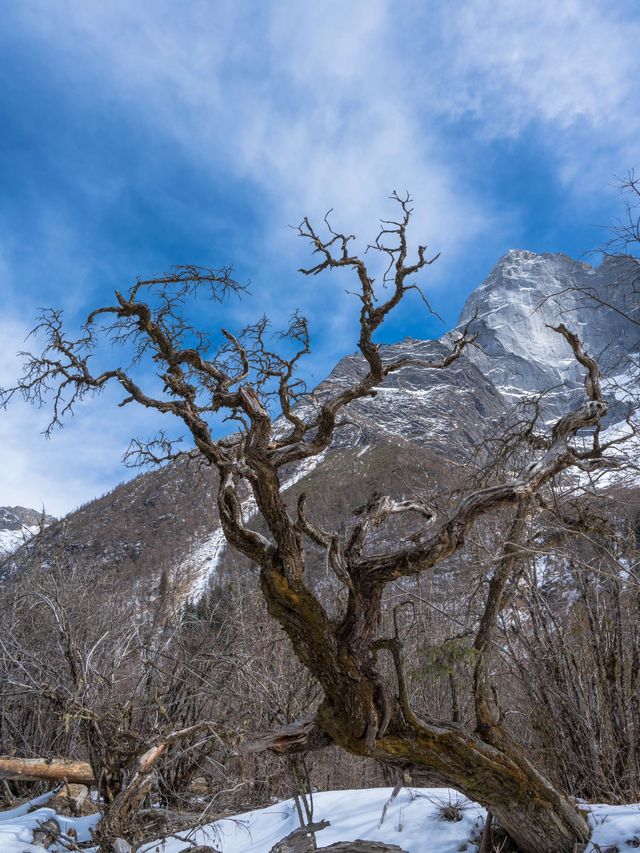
[{"x": 570, "y": 67}]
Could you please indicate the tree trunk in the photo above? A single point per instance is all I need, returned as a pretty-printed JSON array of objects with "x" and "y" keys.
[
  {"x": 361, "y": 714},
  {"x": 535, "y": 814}
]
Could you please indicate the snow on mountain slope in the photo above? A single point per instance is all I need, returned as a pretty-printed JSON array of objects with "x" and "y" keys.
[
  {"x": 446, "y": 409},
  {"x": 17, "y": 526},
  {"x": 201, "y": 564},
  {"x": 11, "y": 540}
]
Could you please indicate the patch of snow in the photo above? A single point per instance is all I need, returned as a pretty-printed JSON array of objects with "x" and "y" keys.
[
  {"x": 613, "y": 827},
  {"x": 203, "y": 561},
  {"x": 412, "y": 821},
  {"x": 17, "y": 826}
]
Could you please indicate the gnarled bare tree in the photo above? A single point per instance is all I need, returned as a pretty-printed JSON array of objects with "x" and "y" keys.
[{"x": 243, "y": 378}]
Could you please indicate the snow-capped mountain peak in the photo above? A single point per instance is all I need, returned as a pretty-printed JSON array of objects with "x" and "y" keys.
[{"x": 527, "y": 293}]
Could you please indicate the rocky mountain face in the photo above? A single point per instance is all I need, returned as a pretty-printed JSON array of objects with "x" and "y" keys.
[
  {"x": 524, "y": 295},
  {"x": 415, "y": 405},
  {"x": 420, "y": 430}
]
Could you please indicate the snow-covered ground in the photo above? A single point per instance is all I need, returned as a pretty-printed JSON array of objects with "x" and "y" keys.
[
  {"x": 413, "y": 821},
  {"x": 18, "y": 825}
]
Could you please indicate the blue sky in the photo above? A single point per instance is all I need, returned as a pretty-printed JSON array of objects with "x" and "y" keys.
[{"x": 137, "y": 136}]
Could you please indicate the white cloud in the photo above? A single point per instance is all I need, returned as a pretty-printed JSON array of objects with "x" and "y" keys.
[
  {"x": 306, "y": 101},
  {"x": 336, "y": 104}
]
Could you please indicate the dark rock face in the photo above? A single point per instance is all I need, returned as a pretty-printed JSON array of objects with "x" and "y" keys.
[
  {"x": 422, "y": 423},
  {"x": 139, "y": 530},
  {"x": 416, "y": 404}
]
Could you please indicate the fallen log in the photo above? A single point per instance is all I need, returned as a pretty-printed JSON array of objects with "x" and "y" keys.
[
  {"x": 46, "y": 769},
  {"x": 301, "y": 840}
]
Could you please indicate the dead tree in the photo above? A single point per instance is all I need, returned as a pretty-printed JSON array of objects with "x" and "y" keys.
[
  {"x": 120, "y": 815},
  {"x": 241, "y": 376}
]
